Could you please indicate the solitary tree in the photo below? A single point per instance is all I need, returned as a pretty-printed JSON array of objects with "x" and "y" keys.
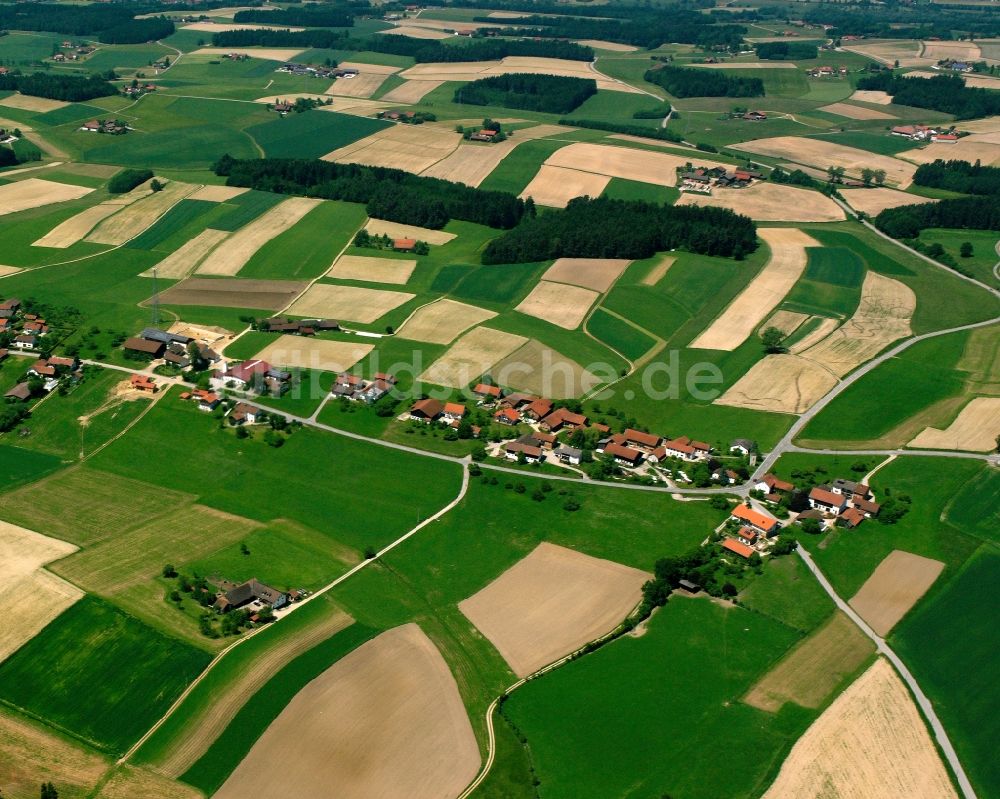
[
  {"x": 772, "y": 338},
  {"x": 879, "y": 177},
  {"x": 966, "y": 249},
  {"x": 49, "y": 791},
  {"x": 867, "y": 176}
]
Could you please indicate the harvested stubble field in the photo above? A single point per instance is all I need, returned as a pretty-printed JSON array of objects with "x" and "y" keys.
[
  {"x": 748, "y": 65},
  {"x": 542, "y": 371},
  {"x": 31, "y": 596},
  {"x": 598, "y": 274},
  {"x": 472, "y": 355},
  {"x": 658, "y": 270},
  {"x": 825, "y": 327},
  {"x": 780, "y": 384},
  {"x": 873, "y": 201},
  {"x": 229, "y": 260},
  {"x": 957, "y": 51},
  {"x": 68, "y": 233},
  {"x": 472, "y": 163},
  {"x": 814, "y": 667},
  {"x": 267, "y": 53},
  {"x": 314, "y": 353},
  {"x": 552, "y": 602},
  {"x": 986, "y": 125},
  {"x": 599, "y": 44},
  {"x": 397, "y": 230},
  {"x": 415, "y": 33},
  {"x": 905, "y": 51},
  {"x": 348, "y": 302},
  {"x": 139, "y": 215},
  {"x": 854, "y": 111},
  {"x": 870, "y": 742},
  {"x": 764, "y": 293},
  {"x": 558, "y": 303},
  {"x": 771, "y": 202},
  {"x": 222, "y": 27},
  {"x": 206, "y": 727},
  {"x": 555, "y": 186},
  {"x": 35, "y": 192},
  {"x": 413, "y": 91},
  {"x": 362, "y": 85},
  {"x": 785, "y": 321},
  {"x": 978, "y": 147},
  {"x": 893, "y": 588},
  {"x": 821, "y": 154},
  {"x": 372, "y": 270},
  {"x": 218, "y": 194},
  {"x": 441, "y": 322},
  {"x": 271, "y": 295},
  {"x": 644, "y": 166},
  {"x": 870, "y": 96},
  {"x": 186, "y": 258},
  {"x": 385, "y": 721},
  {"x": 25, "y": 102},
  {"x": 466, "y": 71},
  {"x": 973, "y": 429},
  {"x": 412, "y": 148},
  {"x": 129, "y": 781}
]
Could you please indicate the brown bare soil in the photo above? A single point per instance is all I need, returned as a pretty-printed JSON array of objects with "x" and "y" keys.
[
  {"x": 397, "y": 230},
  {"x": 558, "y": 303},
  {"x": 441, "y": 322},
  {"x": 35, "y": 192},
  {"x": 658, "y": 270},
  {"x": 542, "y": 371},
  {"x": 873, "y": 201},
  {"x": 372, "y": 270},
  {"x": 814, "y": 667},
  {"x": 598, "y": 274},
  {"x": 269, "y": 295},
  {"x": 385, "y": 721},
  {"x": 822, "y": 154},
  {"x": 974, "y": 429},
  {"x": 555, "y": 186},
  {"x": 854, "y": 111},
  {"x": 413, "y": 148},
  {"x": 893, "y": 588},
  {"x": 550, "y": 603},
  {"x": 472, "y": 163},
  {"x": 471, "y": 356},
  {"x": 771, "y": 202},
  {"x": 314, "y": 353},
  {"x": 870, "y": 742},
  {"x": 348, "y": 302},
  {"x": 139, "y": 215},
  {"x": 185, "y": 259}
]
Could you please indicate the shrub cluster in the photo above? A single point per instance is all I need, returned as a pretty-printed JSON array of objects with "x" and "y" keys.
[
  {"x": 947, "y": 93},
  {"x": 906, "y": 221},
  {"x": 686, "y": 82},
  {"x": 69, "y": 88},
  {"x": 960, "y": 176},
  {"x": 554, "y": 94},
  {"x": 128, "y": 179}
]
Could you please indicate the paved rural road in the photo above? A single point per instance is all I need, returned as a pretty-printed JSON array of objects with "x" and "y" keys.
[{"x": 925, "y": 704}]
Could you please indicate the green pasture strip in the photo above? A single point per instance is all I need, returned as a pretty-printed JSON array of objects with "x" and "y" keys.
[
  {"x": 245, "y": 208},
  {"x": 311, "y": 134},
  {"x": 623, "y": 337},
  {"x": 180, "y": 216},
  {"x": 19, "y": 466}
]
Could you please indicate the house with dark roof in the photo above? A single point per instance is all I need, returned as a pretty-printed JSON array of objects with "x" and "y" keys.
[
  {"x": 624, "y": 456},
  {"x": 851, "y": 518},
  {"x": 144, "y": 346},
  {"x": 254, "y": 375},
  {"x": 515, "y": 449},
  {"x": 233, "y": 596},
  {"x": 570, "y": 455},
  {"x": 426, "y": 410},
  {"x": 743, "y": 446},
  {"x": 155, "y": 334}
]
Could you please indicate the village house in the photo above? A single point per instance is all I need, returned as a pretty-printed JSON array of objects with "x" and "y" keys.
[
  {"x": 25, "y": 342},
  {"x": 487, "y": 394},
  {"x": 851, "y": 518},
  {"x": 41, "y": 368},
  {"x": 233, "y": 596},
  {"x": 20, "y": 392},
  {"x": 253, "y": 375},
  {"x": 517, "y": 400},
  {"x": 823, "y": 499},
  {"x": 737, "y": 548},
  {"x": 914, "y": 132},
  {"x": 143, "y": 346},
  {"x": 771, "y": 486},
  {"x": 143, "y": 383},
  {"x": 563, "y": 419},
  {"x": 570, "y": 455},
  {"x": 865, "y": 506},
  {"x": 538, "y": 410},
  {"x": 507, "y": 416},
  {"x": 755, "y": 116},
  {"x": 453, "y": 412},
  {"x": 747, "y": 535},
  {"x": 162, "y": 336},
  {"x": 427, "y": 410},
  {"x": 242, "y": 413},
  {"x": 624, "y": 456},
  {"x": 404, "y": 245},
  {"x": 207, "y": 400},
  {"x": 484, "y": 135},
  {"x": 373, "y": 391},
  {"x": 743, "y": 446},
  {"x": 515, "y": 449},
  {"x": 727, "y": 476},
  {"x": 761, "y": 522},
  {"x": 683, "y": 448}
]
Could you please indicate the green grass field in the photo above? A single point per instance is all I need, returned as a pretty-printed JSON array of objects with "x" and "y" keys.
[
  {"x": 516, "y": 170},
  {"x": 620, "y": 335},
  {"x": 837, "y": 266},
  {"x": 184, "y": 214},
  {"x": 830, "y": 285},
  {"x": 91, "y": 664},
  {"x": 19, "y": 466},
  {"x": 311, "y": 134},
  {"x": 245, "y": 208},
  {"x": 621, "y": 189},
  {"x": 984, "y": 253}
]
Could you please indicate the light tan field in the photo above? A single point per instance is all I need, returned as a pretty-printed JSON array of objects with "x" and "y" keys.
[
  {"x": 658, "y": 271},
  {"x": 854, "y": 111},
  {"x": 598, "y": 274},
  {"x": 747, "y": 65},
  {"x": 970, "y": 148},
  {"x": 8, "y": 270},
  {"x": 959, "y": 51},
  {"x": 814, "y": 667},
  {"x": 354, "y": 106},
  {"x": 822, "y": 154},
  {"x": 474, "y": 70},
  {"x": 472, "y": 163},
  {"x": 555, "y": 186},
  {"x": 221, "y": 27},
  {"x": 314, "y": 353},
  {"x": 410, "y": 147},
  {"x": 185, "y": 259},
  {"x": 397, "y": 230},
  {"x": 35, "y": 192},
  {"x": 558, "y": 303},
  {"x": 550, "y": 603},
  {"x": 614, "y": 47},
  {"x": 68, "y": 233},
  {"x": 869, "y": 96},
  {"x": 31, "y": 753},
  {"x": 893, "y": 588},
  {"x": 542, "y": 371},
  {"x": 975, "y": 429},
  {"x": 348, "y": 302},
  {"x": 27, "y": 103},
  {"x": 233, "y": 293},
  {"x": 906, "y": 51},
  {"x": 385, "y": 721},
  {"x": 416, "y": 33},
  {"x": 131, "y": 781},
  {"x": 363, "y": 85},
  {"x": 412, "y": 91},
  {"x": 820, "y": 332},
  {"x": 291, "y": 97},
  {"x": 471, "y": 356},
  {"x": 780, "y": 383},
  {"x": 267, "y": 53},
  {"x": 771, "y": 202},
  {"x": 872, "y": 201},
  {"x": 883, "y": 316},
  {"x": 763, "y": 294},
  {"x": 217, "y": 194},
  {"x": 441, "y": 322},
  {"x": 240, "y": 247},
  {"x": 372, "y": 270},
  {"x": 870, "y": 742},
  {"x": 981, "y": 82},
  {"x": 206, "y": 727},
  {"x": 986, "y": 125},
  {"x": 623, "y": 162},
  {"x": 229, "y": 13},
  {"x": 378, "y": 69},
  {"x": 140, "y": 215},
  {"x": 786, "y": 321},
  {"x": 31, "y": 596}
]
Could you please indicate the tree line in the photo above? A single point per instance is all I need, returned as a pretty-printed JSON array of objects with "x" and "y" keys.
[
  {"x": 68, "y": 88},
  {"x": 662, "y": 134},
  {"x": 554, "y": 94},
  {"x": 606, "y": 228},
  {"x": 899, "y": 21},
  {"x": 906, "y": 221},
  {"x": 946, "y": 93},
  {"x": 390, "y": 194},
  {"x": 306, "y": 17},
  {"x": 786, "y": 51},
  {"x": 960, "y": 176},
  {"x": 111, "y": 23},
  {"x": 685, "y": 82}
]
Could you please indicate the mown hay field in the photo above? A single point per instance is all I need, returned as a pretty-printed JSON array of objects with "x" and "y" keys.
[
  {"x": 598, "y": 274},
  {"x": 348, "y": 302},
  {"x": 441, "y": 322},
  {"x": 140, "y": 215},
  {"x": 558, "y": 303},
  {"x": 555, "y": 186},
  {"x": 771, "y": 202},
  {"x": 313, "y": 353},
  {"x": 373, "y": 270},
  {"x": 412, "y": 148},
  {"x": 35, "y": 192},
  {"x": 472, "y": 355},
  {"x": 541, "y": 370}
]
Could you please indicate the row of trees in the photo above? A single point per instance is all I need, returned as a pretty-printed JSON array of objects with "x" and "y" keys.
[
  {"x": 606, "y": 228},
  {"x": 111, "y": 23},
  {"x": 69, "y": 88},
  {"x": 136, "y": 31},
  {"x": 960, "y": 176},
  {"x": 322, "y": 17},
  {"x": 686, "y": 82},
  {"x": 906, "y": 222},
  {"x": 947, "y": 93},
  {"x": 902, "y": 21},
  {"x": 663, "y": 134},
  {"x": 786, "y": 51},
  {"x": 389, "y": 193},
  {"x": 554, "y": 94}
]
